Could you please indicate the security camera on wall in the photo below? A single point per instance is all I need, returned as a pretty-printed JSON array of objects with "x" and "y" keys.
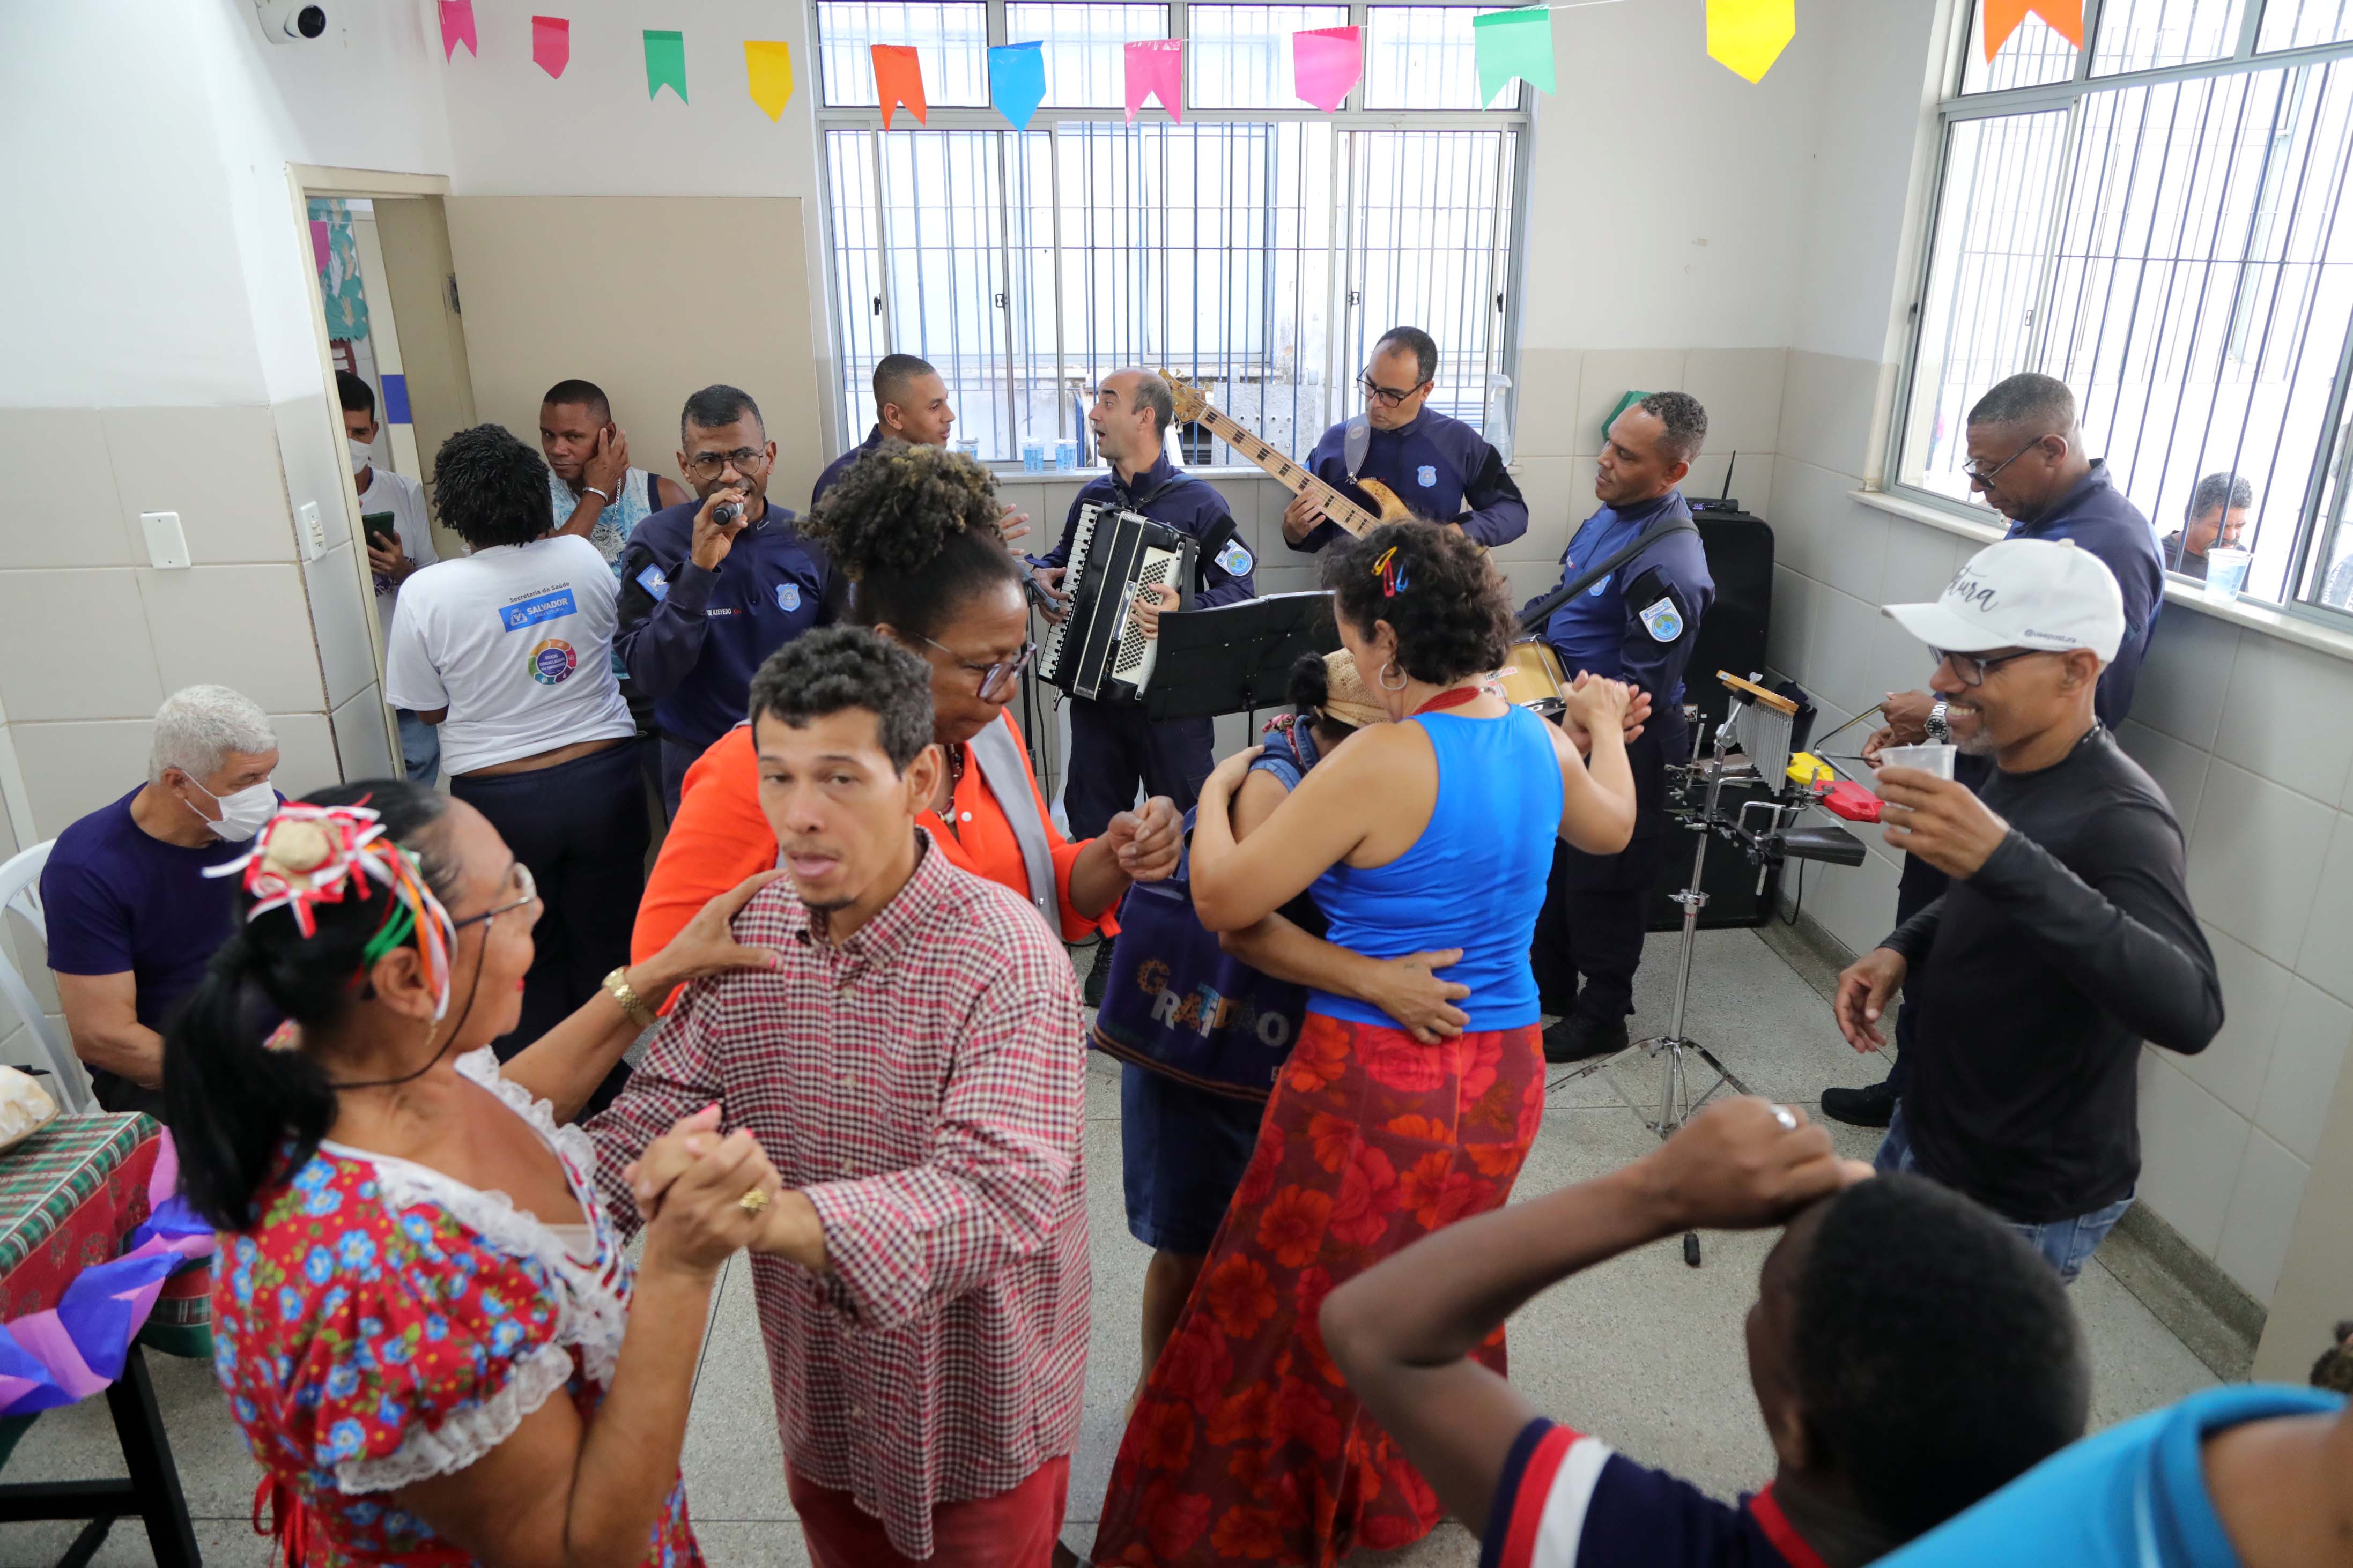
[{"x": 291, "y": 21}]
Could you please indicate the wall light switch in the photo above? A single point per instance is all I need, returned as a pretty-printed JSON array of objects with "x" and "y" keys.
[
  {"x": 313, "y": 532},
  {"x": 167, "y": 545}
]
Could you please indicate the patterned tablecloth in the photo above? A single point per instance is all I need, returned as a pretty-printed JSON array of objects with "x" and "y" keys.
[{"x": 69, "y": 1197}]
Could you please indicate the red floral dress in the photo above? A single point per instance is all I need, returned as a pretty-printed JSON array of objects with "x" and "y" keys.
[
  {"x": 1247, "y": 1445},
  {"x": 383, "y": 1324}
]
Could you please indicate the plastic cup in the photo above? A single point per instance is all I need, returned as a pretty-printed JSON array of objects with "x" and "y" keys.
[
  {"x": 1938, "y": 760},
  {"x": 1066, "y": 456},
  {"x": 970, "y": 447},
  {"x": 2226, "y": 573},
  {"x": 1033, "y": 456}
]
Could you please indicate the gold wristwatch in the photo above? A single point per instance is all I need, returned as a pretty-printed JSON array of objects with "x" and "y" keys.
[{"x": 617, "y": 983}]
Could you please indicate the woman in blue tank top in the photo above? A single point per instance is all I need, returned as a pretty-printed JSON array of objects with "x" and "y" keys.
[{"x": 1425, "y": 836}]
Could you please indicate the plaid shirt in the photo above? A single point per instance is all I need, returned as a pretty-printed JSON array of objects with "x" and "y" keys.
[{"x": 924, "y": 1085}]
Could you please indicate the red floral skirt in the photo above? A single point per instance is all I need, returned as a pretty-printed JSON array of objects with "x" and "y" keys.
[{"x": 1247, "y": 1445}]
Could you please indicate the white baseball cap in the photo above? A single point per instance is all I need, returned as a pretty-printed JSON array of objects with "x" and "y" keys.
[{"x": 2044, "y": 594}]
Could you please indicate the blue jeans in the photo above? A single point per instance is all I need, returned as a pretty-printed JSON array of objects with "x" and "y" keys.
[
  {"x": 421, "y": 748},
  {"x": 2066, "y": 1244}
]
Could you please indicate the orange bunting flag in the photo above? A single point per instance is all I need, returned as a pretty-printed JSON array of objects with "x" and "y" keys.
[
  {"x": 2001, "y": 18},
  {"x": 899, "y": 79}
]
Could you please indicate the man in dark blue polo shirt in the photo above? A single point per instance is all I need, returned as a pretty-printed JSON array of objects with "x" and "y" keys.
[
  {"x": 911, "y": 404},
  {"x": 1440, "y": 469},
  {"x": 1113, "y": 747},
  {"x": 704, "y": 601},
  {"x": 1637, "y": 625},
  {"x": 2027, "y": 458}
]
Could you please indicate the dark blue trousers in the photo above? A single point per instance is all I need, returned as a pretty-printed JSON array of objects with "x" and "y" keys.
[{"x": 1115, "y": 748}]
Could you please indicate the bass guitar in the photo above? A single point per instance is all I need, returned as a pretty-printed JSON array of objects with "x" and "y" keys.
[{"x": 1357, "y": 517}]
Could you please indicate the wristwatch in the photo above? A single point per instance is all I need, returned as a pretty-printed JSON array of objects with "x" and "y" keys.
[
  {"x": 617, "y": 983},
  {"x": 1940, "y": 734}
]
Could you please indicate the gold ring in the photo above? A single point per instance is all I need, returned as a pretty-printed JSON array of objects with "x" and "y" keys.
[{"x": 752, "y": 1202}]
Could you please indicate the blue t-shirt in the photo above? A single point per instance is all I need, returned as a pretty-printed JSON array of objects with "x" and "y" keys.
[
  {"x": 2133, "y": 1496},
  {"x": 115, "y": 898}
]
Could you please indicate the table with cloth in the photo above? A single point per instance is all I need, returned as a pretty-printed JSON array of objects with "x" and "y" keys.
[{"x": 91, "y": 1237}]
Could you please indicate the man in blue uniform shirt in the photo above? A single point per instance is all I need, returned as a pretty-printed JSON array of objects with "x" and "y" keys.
[
  {"x": 2027, "y": 458},
  {"x": 704, "y": 601},
  {"x": 1637, "y": 625},
  {"x": 1440, "y": 469},
  {"x": 1113, "y": 747},
  {"x": 911, "y": 404}
]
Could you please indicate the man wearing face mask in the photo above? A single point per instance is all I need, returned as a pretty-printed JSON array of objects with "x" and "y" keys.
[
  {"x": 133, "y": 919},
  {"x": 399, "y": 545}
]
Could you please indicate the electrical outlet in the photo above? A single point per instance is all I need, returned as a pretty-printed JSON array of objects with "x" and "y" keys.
[
  {"x": 167, "y": 544},
  {"x": 313, "y": 532}
]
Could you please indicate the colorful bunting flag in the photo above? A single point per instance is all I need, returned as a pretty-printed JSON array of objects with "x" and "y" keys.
[
  {"x": 458, "y": 28},
  {"x": 551, "y": 44},
  {"x": 768, "y": 66},
  {"x": 1513, "y": 43},
  {"x": 2001, "y": 18},
  {"x": 1155, "y": 69},
  {"x": 899, "y": 78},
  {"x": 665, "y": 63},
  {"x": 1016, "y": 81},
  {"x": 1746, "y": 36},
  {"x": 1325, "y": 64}
]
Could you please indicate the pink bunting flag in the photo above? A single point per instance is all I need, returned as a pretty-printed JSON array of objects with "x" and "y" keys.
[
  {"x": 458, "y": 28},
  {"x": 1156, "y": 67},
  {"x": 322, "y": 246},
  {"x": 1325, "y": 64},
  {"x": 551, "y": 44}
]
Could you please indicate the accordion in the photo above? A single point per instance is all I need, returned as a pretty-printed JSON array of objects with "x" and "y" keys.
[{"x": 1097, "y": 651}]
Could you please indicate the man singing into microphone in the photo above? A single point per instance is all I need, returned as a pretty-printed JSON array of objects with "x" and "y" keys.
[{"x": 710, "y": 587}]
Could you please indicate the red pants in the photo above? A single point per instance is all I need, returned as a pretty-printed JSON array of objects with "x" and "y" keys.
[{"x": 1012, "y": 1529}]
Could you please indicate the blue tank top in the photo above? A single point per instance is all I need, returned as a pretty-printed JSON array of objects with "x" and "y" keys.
[{"x": 1474, "y": 880}]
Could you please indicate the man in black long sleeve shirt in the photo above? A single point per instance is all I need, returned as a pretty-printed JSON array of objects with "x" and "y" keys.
[{"x": 2066, "y": 937}]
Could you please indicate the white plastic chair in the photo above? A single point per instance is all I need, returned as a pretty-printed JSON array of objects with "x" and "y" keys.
[{"x": 20, "y": 892}]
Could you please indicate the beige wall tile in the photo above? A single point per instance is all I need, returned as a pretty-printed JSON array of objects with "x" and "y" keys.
[
  {"x": 340, "y": 614},
  {"x": 2184, "y": 678},
  {"x": 1746, "y": 476},
  {"x": 2255, "y": 861},
  {"x": 2262, "y": 1216},
  {"x": 1827, "y": 407},
  {"x": 218, "y": 467},
  {"x": 1559, "y": 493},
  {"x": 72, "y": 769},
  {"x": 1920, "y": 562},
  {"x": 1741, "y": 390},
  {"x": 62, "y": 507},
  {"x": 306, "y": 754},
  {"x": 2277, "y": 691},
  {"x": 2179, "y": 770},
  {"x": 75, "y": 645},
  {"x": 1604, "y": 376},
  {"x": 248, "y": 628},
  {"x": 2326, "y": 957},
  {"x": 1845, "y": 631},
  {"x": 2316, "y": 1280},
  {"x": 1855, "y": 548},
  {"x": 1808, "y": 505},
  {"x": 2255, "y": 993},
  {"x": 1548, "y": 388},
  {"x": 1789, "y": 634},
  {"x": 315, "y": 466},
  {"x": 2191, "y": 1145},
  {"x": 2306, "y": 1059},
  {"x": 362, "y": 745}
]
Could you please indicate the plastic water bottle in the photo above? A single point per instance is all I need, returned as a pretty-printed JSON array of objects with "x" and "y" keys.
[
  {"x": 1066, "y": 456},
  {"x": 1033, "y": 456}
]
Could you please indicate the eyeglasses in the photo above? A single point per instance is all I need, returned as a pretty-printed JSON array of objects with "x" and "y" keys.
[
  {"x": 1978, "y": 474},
  {"x": 1973, "y": 668},
  {"x": 746, "y": 460},
  {"x": 526, "y": 890},
  {"x": 1389, "y": 398},
  {"x": 994, "y": 677}
]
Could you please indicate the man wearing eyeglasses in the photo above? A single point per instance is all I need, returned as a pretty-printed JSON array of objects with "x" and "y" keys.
[
  {"x": 2026, "y": 456},
  {"x": 1439, "y": 468},
  {"x": 710, "y": 587},
  {"x": 2065, "y": 938}
]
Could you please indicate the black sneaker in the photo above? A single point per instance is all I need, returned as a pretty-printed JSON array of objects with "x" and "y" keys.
[
  {"x": 1870, "y": 1107},
  {"x": 1579, "y": 1040},
  {"x": 1097, "y": 976}
]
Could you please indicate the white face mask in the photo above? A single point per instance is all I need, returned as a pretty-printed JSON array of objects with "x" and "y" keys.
[
  {"x": 362, "y": 452},
  {"x": 242, "y": 811}
]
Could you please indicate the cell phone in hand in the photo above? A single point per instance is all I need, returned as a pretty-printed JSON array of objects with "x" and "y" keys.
[{"x": 382, "y": 529}]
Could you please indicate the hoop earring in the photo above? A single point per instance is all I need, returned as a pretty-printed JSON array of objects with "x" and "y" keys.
[{"x": 1403, "y": 680}]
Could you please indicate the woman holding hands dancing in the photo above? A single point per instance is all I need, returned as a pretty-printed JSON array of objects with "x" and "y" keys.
[{"x": 1430, "y": 834}]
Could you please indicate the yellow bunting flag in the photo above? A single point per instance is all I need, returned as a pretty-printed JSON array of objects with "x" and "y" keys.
[
  {"x": 2001, "y": 18},
  {"x": 1746, "y": 36},
  {"x": 770, "y": 66}
]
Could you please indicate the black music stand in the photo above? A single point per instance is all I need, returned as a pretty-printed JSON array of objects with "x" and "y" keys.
[{"x": 1236, "y": 657}]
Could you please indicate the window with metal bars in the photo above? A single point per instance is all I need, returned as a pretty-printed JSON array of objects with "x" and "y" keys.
[
  {"x": 1258, "y": 249},
  {"x": 2159, "y": 221}
]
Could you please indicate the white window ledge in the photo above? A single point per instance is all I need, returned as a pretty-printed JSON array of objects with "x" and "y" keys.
[{"x": 2252, "y": 614}]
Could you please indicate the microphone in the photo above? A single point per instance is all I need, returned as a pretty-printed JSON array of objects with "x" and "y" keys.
[{"x": 726, "y": 513}]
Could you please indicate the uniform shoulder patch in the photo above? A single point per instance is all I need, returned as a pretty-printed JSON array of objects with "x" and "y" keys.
[
  {"x": 1661, "y": 620},
  {"x": 652, "y": 580},
  {"x": 1236, "y": 558}
]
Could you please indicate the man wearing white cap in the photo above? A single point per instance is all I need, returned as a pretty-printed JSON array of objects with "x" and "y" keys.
[{"x": 2066, "y": 936}]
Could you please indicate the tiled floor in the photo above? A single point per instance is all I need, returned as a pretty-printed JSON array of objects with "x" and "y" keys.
[{"x": 1644, "y": 1351}]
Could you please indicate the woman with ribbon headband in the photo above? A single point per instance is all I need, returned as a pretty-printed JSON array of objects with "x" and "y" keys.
[{"x": 415, "y": 1261}]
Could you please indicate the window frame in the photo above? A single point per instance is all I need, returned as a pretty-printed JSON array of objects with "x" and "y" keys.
[
  {"x": 2332, "y": 462},
  {"x": 1502, "y": 357}
]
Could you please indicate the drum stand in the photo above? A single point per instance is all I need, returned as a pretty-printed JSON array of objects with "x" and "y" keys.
[{"x": 1676, "y": 1104}]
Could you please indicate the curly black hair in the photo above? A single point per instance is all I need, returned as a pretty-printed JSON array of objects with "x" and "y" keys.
[
  {"x": 1310, "y": 689},
  {"x": 916, "y": 528},
  {"x": 490, "y": 488},
  {"x": 1451, "y": 611},
  {"x": 824, "y": 671}
]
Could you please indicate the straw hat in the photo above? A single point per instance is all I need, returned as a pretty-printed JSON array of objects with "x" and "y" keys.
[{"x": 1347, "y": 700}]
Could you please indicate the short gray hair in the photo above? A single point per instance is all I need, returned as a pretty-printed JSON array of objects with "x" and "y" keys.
[
  {"x": 2222, "y": 491},
  {"x": 200, "y": 727},
  {"x": 2027, "y": 399}
]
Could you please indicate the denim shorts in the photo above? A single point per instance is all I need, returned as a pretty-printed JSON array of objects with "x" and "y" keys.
[
  {"x": 2066, "y": 1244},
  {"x": 1182, "y": 1153}
]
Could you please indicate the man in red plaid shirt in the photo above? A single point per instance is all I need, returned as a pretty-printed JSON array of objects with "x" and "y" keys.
[{"x": 914, "y": 1063}]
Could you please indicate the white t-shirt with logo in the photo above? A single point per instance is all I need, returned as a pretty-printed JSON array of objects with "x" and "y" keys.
[
  {"x": 405, "y": 499},
  {"x": 516, "y": 641}
]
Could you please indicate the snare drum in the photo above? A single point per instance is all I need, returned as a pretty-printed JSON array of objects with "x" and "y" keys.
[{"x": 1533, "y": 679}]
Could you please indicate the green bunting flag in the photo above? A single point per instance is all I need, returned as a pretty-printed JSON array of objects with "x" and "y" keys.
[{"x": 665, "y": 63}]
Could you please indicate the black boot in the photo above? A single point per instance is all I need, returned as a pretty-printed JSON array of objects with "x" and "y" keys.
[
  {"x": 1098, "y": 975},
  {"x": 1860, "y": 1106},
  {"x": 1577, "y": 1039}
]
